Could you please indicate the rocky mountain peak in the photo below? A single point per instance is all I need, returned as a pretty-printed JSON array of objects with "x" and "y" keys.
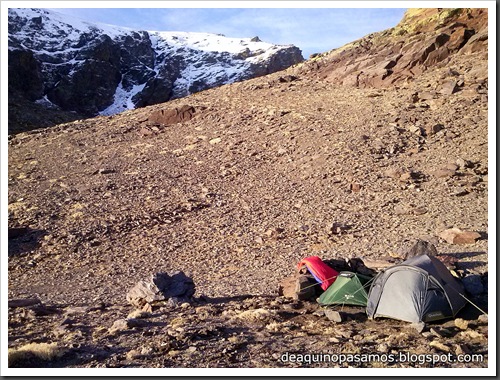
[{"x": 62, "y": 63}]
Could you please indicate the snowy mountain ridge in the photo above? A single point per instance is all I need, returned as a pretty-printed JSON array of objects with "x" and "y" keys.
[{"x": 94, "y": 68}]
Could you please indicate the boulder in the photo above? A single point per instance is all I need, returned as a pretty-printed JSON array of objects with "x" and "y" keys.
[
  {"x": 421, "y": 247},
  {"x": 305, "y": 289},
  {"x": 173, "y": 115},
  {"x": 287, "y": 287},
  {"x": 457, "y": 236},
  {"x": 298, "y": 287},
  {"x": 160, "y": 287}
]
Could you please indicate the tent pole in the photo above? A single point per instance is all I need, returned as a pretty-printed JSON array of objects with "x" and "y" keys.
[{"x": 473, "y": 304}]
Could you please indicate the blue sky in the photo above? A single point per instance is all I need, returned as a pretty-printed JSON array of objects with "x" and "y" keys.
[{"x": 313, "y": 30}]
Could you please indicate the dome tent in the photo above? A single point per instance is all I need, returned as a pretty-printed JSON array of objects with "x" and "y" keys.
[
  {"x": 421, "y": 289},
  {"x": 348, "y": 289}
]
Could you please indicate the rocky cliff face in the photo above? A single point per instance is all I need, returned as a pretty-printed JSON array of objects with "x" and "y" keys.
[
  {"x": 90, "y": 69},
  {"x": 424, "y": 38}
]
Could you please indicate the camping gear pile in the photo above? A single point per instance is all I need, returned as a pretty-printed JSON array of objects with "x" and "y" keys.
[{"x": 420, "y": 289}]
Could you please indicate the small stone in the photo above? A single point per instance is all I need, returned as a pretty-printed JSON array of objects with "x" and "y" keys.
[
  {"x": 234, "y": 339},
  {"x": 462, "y": 164},
  {"x": 68, "y": 321},
  {"x": 147, "y": 308},
  {"x": 440, "y": 346},
  {"x": 119, "y": 325},
  {"x": 461, "y": 349},
  {"x": 443, "y": 173},
  {"x": 451, "y": 166},
  {"x": 145, "y": 132},
  {"x": 319, "y": 313},
  {"x": 133, "y": 354},
  {"x": 136, "y": 322},
  {"x": 405, "y": 177},
  {"x": 433, "y": 129},
  {"x": 333, "y": 315},
  {"x": 415, "y": 129},
  {"x": 287, "y": 287},
  {"x": 61, "y": 331},
  {"x": 449, "y": 87},
  {"x": 420, "y": 210},
  {"x": 471, "y": 334},
  {"x": 355, "y": 187},
  {"x": 335, "y": 228},
  {"x": 462, "y": 324},
  {"x": 401, "y": 210},
  {"x": 215, "y": 141},
  {"x": 383, "y": 348},
  {"x": 137, "y": 314},
  {"x": 459, "y": 191},
  {"x": 393, "y": 173},
  {"x": 435, "y": 332},
  {"x": 483, "y": 318},
  {"x": 147, "y": 350},
  {"x": 445, "y": 332},
  {"x": 304, "y": 290},
  {"x": 426, "y": 95},
  {"x": 418, "y": 326},
  {"x": 76, "y": 310},
  {"x": 106, "y": 171}
]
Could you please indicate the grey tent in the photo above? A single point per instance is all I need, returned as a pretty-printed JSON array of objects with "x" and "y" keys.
[{"x": 421, "y": 289}]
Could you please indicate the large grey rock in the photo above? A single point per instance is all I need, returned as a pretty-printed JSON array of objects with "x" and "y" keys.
[
  {"x": 160, "y": 287},
  {"x": 333, "y": 315},
  {"x": 421, "y": 247}
]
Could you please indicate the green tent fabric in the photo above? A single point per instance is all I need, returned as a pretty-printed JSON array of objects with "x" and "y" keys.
[{"x": 348, "y": 289}]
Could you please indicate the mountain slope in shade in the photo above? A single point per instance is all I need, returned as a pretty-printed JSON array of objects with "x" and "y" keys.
[{"x": 66, "y": 63}]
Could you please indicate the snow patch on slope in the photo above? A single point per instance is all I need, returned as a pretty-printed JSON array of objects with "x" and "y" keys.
[{"x": 122, "y": 100}]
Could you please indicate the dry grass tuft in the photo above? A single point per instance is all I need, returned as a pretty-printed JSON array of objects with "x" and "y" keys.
[
  {"x": 255, "y": 315},
  {"x": 19, "y": 357}
]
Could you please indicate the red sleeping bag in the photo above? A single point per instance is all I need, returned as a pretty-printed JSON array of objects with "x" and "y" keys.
[{"x": 324, "y": 274}]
